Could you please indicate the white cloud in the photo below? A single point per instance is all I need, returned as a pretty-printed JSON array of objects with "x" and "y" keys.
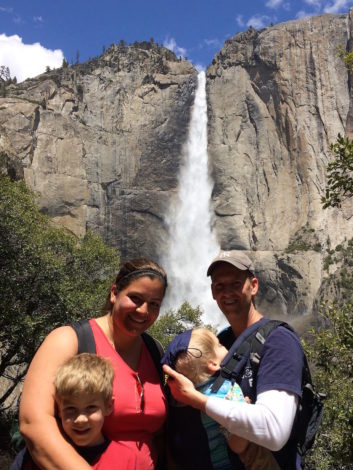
[
  {"x": 213, "y": 43},
  {"x": 171, "y": 44},
  {"x": 314, "y": 3},
  {"x": 274, "y": 3},
  {"x": 200, "y": 67},
  {"x": 337, "y": 6},
  {"x": 316, "y": 6},
  {"x": 27, "y": 60},
  {"x": 240, "y": 20},
  {"x": 38, "y": 19},
  {"x": 17, "y": 20},
  {"x": 258, "y": 21},
  {"x": 302, "y": 14}
]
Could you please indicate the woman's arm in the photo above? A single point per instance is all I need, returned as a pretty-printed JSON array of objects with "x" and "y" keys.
[{"x": 38, "y": 424}]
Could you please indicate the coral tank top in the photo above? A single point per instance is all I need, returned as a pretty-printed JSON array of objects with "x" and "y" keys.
[{"x": 140, "y": 407}]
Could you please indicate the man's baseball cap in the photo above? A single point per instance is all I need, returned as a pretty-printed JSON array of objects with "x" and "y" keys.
[
  {"x": 178, "y": 345},
  {"x": 236, "y": 258}
]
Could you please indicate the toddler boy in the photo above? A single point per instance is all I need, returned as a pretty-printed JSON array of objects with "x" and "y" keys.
[{"x": 84, "y": 388}]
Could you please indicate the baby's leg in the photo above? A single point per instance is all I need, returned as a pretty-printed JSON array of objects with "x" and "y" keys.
[
  {"x": 255, "y": 457},
  {"x": 237, "y": 444}
]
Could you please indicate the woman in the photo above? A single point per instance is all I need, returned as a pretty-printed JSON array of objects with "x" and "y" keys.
[{"x": 132, "y": 306}]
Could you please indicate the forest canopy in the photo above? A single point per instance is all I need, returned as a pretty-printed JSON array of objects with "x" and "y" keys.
[{"x": 48, "y": 277}]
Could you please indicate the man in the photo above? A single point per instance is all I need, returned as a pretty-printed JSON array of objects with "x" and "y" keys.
[{"x": 275, "y": 390}]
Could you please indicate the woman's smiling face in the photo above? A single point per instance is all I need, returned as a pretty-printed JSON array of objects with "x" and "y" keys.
[{"x": 136, "y": 308}]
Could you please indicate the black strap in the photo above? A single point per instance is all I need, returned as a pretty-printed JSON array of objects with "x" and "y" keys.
[
  {"x": 85, "y": 337},
  {"x": 156, "y": 350},
  {"x": 248, "y": 345},
  {"x": 260, "y": 336},
  {"x": 310, "y": 408},
  {"x": 234, "y": 362},
  {"x": 86, "y": 343}
]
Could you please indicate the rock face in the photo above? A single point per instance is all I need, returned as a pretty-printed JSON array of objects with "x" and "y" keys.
[
  {"x": 277, "y": 99},
  {"x": 101, "y": 141}
]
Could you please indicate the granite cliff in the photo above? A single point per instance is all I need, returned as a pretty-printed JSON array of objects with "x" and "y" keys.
[
  {"x": 277, "y": 99},
  {"x": 101, "y": 141},
  {"x": 102, "y": 144}
]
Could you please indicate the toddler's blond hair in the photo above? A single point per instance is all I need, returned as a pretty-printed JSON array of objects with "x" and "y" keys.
[{"x": 193, "y": 362}]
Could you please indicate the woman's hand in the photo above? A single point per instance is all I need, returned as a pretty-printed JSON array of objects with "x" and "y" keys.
[{"x": 183, "y": 389}]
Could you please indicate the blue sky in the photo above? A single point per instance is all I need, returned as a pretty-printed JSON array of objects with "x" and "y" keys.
[{"x": 37, "y": 33}]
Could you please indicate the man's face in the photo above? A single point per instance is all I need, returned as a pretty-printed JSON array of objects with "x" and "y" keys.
[{"x": 233, "y": 290}]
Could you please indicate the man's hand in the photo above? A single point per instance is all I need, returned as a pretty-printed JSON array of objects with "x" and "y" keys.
[{"x": 183, "y": 389}]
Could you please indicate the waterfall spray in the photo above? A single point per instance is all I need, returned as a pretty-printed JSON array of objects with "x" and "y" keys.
[{"x": 191, "y": 244}]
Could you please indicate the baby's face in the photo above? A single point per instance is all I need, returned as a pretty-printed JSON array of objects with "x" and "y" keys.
[{"x": 220, "y": 351}]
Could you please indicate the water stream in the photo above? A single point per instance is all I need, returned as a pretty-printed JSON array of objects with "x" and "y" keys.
[{"x": 191, "y": 243}]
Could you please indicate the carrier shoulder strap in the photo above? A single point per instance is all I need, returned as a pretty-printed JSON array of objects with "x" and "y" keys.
[
  {"x": 234, "y": 362},
  {"x": 260, "y": 336},
  {"x": 248, "y": 345},
  {"x": 156, "y": 350},
  {"x": 85, "y": 337},
  {"x": 310, "y": 409}
]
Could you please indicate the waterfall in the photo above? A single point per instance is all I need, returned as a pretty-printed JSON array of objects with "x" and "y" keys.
[{"x": 192, "y": 245}]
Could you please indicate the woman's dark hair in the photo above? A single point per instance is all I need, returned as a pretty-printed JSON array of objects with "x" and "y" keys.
[{"x": 132, "y": 270}]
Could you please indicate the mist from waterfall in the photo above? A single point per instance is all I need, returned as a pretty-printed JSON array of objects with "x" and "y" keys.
[{"x": 192, "y": 245}]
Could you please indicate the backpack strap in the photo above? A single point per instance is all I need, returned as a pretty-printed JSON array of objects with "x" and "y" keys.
[
  {"x": 248, "y": 345},
  {"x": 86, "y": 343},
  {"x": 156, "y": 350},
  {"x": 85, "y": 337},
  {"x": 234, "y": 362},
  {"x": 310, "y": 407},
  {"x": 259, "y": 337}
]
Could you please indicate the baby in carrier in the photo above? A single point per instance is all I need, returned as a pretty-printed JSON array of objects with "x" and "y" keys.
[{"x": 198, "y": 354}]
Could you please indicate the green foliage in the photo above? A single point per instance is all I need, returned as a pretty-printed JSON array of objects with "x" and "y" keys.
[
  {"x": 48, "y": 278},
  {"x": 347, "y": 58},
  {"x": 339, "y": 282},
  {"x": 340, "y": 173},
  {"x": 340, "y": 170},
  {"x": 304, "y": 240},
  {"x": 79, "y": 89},
  {"x": 298, "y": 245},
  {"x": 331, "y": 353},
  {"x": 174, "y": 322},
  {"x": 2, "y": 90},
  {"x": 5, "y": 74}
]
